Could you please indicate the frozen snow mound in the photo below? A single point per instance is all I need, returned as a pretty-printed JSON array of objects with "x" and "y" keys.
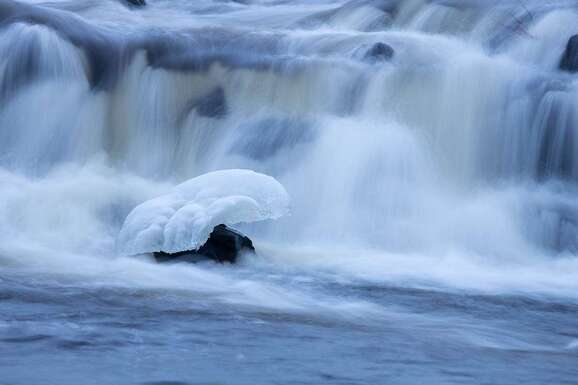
[{"x": 183, "y": 219}]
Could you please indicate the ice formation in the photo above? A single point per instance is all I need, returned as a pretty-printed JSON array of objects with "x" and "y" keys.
[{"x": 183, "y": 219}]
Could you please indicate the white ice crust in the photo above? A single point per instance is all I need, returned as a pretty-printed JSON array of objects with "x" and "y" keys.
[{"x": 183, "y": 219}]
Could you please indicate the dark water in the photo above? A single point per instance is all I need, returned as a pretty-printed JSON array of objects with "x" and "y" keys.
[{"x": 61, "y": 330}]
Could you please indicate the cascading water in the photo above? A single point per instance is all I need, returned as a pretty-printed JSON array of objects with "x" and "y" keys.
[{"x": 450, "y": 165}]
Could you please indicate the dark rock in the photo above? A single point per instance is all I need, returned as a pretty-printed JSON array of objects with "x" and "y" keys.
[
  {"x": 224, "y": 245},
  {"x": 205, "y": 47},
  {"x": 379, "y": 52},
  {"x": 136, "y": 3},
  {"x": 188, "y": 60},
  {"x": 569, "y": 61},
  {"x": 105, "y": 65}
]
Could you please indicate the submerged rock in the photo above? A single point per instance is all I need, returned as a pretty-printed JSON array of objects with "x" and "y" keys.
[
  {"x": 264, "y": 138},
  {"x": 569, "y": 61},
  {"x": 379, "y": 52},
  {"x": 211, "y": 105},
  {"x": 224, "y": 245},
  {"x": 22, "y": 67}
]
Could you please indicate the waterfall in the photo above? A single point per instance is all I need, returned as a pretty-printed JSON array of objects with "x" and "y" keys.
[{"x": 462, "y": 142}]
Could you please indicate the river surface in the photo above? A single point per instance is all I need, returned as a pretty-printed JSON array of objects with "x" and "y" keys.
[{"x": 430, "y": 149}]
